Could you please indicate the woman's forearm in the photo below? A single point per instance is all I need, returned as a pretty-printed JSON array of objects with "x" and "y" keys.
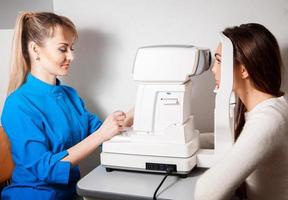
[
  {"x": 81, "y": 150},
  {"x": 113, "y": 125}
]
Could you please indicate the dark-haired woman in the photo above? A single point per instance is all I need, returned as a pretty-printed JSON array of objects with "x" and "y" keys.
[{"x": 259, "y": 158}]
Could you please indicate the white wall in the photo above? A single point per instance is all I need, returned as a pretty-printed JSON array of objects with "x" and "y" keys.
[
  {"x": 110, "y": 31},
  {"x": 5, "y": 41}
]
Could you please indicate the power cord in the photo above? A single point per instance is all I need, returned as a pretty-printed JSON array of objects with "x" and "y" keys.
[{"x": 169, "y": 171}]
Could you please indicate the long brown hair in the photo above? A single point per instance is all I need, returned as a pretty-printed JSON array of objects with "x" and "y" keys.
[
  {"x": 32, "y": 26},
  {"x": 257, "y": 49}
]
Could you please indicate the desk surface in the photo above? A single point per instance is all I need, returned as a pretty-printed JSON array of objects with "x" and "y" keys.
[{"x": 136, "y": 185}]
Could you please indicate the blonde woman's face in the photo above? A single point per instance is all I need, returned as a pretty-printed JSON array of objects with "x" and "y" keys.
[{"x": 56, "y": 55}]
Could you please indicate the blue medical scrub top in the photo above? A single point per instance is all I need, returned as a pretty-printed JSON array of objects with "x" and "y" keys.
[{"x": 42, "y": 121}]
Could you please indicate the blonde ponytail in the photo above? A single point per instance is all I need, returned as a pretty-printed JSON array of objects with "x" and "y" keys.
[
  {"x": 18, "y": 66},
  {"x": 34, "y": 27}
]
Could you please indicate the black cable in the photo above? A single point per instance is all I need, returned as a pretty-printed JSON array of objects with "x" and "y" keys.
[
  {"x": 168, "y": 172},
  {"x": 155, "y": 193}
]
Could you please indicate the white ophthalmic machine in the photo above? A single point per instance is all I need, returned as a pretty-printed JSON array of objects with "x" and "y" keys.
[{"x": 163, "y": 135}]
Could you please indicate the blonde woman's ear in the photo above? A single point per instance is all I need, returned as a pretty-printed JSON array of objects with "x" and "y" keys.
[{"x": 33, "y": 49}]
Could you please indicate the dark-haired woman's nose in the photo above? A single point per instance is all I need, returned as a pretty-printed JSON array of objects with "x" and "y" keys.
[{"x": 213, "y": 68}]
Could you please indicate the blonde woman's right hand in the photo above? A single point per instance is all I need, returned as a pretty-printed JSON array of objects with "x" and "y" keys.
[{"x": 113, "y": 125}]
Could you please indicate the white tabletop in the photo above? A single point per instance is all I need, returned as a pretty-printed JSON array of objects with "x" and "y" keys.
[{"x": 136, "y": 185}]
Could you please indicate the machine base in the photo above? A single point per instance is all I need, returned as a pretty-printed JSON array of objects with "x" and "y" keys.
[{"x": 151, "y": 164}]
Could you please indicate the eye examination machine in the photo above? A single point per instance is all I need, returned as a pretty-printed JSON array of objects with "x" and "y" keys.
[{"x": 163, "y": 135}]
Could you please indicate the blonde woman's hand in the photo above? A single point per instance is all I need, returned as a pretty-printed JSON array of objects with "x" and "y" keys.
[
  {"x": 113, "y": 125},
  {"x": 128, "y": 122}
]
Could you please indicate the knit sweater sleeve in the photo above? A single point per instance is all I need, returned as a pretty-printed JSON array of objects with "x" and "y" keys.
[{"x": 255, "y": 144}]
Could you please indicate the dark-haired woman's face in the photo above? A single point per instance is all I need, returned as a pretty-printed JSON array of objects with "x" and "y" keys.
[
  {"x": 216, "y": 69},
  {"x": 240, "y": 74}
]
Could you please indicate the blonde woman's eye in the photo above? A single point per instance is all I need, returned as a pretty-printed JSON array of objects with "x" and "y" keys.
[{"x": 63, "y": 50}]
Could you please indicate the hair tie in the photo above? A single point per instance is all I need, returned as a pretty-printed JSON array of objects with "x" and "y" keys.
[{"x": 28, "y": 15}]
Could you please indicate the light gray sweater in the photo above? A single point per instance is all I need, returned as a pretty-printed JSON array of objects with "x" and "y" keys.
[{"x": 259, "y": 157}]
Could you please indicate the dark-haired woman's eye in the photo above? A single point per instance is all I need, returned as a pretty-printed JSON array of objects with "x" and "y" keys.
[{"x": 72, "y": 49}]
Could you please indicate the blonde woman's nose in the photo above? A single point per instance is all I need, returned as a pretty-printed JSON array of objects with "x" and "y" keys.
[{"x": 70, "y": 55}]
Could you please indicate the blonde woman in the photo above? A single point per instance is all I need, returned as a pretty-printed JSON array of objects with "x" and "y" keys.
[{"x": 48, "y": 126}]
